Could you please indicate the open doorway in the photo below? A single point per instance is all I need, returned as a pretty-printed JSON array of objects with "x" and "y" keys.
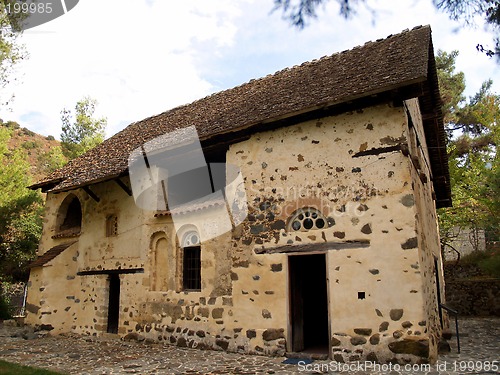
[
  {"x": 114, "y": 303},
  {"x": 308, "y": 303}
]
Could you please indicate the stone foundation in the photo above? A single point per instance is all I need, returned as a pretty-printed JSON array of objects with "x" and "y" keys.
[{"x": 269, "y": 341}]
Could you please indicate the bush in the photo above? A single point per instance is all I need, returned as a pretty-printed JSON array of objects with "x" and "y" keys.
[
  {"x": 10, "y": 124},
  {"x": 474, "y": 258},
  {"x": 29, "y": 145},
  {"x": 50, "y": 138},
  {"x": 26, "y": 131},
  {"x": 488, "y": 261},
  {"x": 491, "y": 264},
  {"x": 4, "y": 308}
]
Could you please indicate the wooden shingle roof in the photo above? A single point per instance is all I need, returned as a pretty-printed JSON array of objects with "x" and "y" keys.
[
  {"x": 402, "y": 65},
  {"x": 50, "y": 254}
]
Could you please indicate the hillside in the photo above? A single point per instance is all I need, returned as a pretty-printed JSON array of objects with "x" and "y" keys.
[
  {"x": 25, "y": 157},
  {"x": 40, "y": 151}
]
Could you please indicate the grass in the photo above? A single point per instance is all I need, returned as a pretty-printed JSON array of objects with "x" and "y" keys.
[
  {"x": 7, "y": 368},
  {"x": 491, "y": 265},
  {"x": 487, "y": 261}
]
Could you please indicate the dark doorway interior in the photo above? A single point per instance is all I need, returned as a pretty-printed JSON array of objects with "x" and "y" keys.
[
  {"x": 114, "y": 303},
  {"x": 309, "y": 303}
]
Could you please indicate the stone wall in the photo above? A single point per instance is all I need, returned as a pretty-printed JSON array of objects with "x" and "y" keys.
[
  {"x": 60, "y": 297},
  {"x": 347, "y": 168},
  {"x": 350, "y": 167},
  {"x": 426, "y": 224},
  {"x": 470, "y": 292},
  {"x": 474, "y": 297},
  {"x": 465, "y": 241}
]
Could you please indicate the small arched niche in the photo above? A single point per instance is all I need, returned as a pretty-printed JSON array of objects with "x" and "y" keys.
[
  {"x": 160, "y": 264},
  {"x": 69, "y": 216}
]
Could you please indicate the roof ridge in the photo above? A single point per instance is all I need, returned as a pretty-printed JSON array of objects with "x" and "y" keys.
[
  {"x": 288, "y": 68},
  {"x": 270, "y": 75}
]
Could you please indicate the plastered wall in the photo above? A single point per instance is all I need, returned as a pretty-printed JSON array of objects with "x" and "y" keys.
[
  {"x": 349, "y": 167},
  {"x": 366, "y": 197}
]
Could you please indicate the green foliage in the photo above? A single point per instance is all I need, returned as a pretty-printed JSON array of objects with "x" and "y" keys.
[
  {"x": 20, "y": 213},
  {"x": 4, "y": 309},
  {"x": 83, "y": 132},
  {"x": 20, "y": 235},
  {"x": 487, "y": 261},
  {"x": 467, "y": 11},
  {"x": 50, "y": 138},
  {"x": 28, "y": 132},
  {"x": 491, "y": 265},
  {"x": 7, "y": 368},
  {"x": 473, "y": 129},
  {"x": 30, "y": 145},
  {"x": 451, "y": 85},
  {"x": 11, "y": 51},
  {"x": 51, "y": 160},
  {"x": 5, "y": 305},
  {"x": 298, "y": 12},
  {"x": 10, "y": 124}
]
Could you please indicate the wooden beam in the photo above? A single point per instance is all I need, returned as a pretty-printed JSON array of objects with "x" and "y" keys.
[
  {"x": 110, "y": 272},
  {"x": 322, "y": 246},
  {"x": 378, "y": 151},
  {"x": 91, "y": 193},
  {"x": 125, "y": 188}
]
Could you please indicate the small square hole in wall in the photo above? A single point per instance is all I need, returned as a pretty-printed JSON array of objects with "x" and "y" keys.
[{"x": 361, "y": 295}]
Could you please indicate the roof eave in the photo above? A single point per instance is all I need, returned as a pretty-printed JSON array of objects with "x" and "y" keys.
[{"x": 435, "y": 134}]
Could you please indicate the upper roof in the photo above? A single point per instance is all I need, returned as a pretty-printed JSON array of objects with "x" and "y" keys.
[{"x": 397, "y": 67}]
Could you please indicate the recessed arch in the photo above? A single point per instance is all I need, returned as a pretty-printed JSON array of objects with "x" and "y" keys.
[
  {"x": 155, "y": 237},
  {"x": 159, "y": 272},
  {"x": 69, "y": 215}
]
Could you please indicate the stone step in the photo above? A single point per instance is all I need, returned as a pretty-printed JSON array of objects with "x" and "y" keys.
[{"x": 307, "y": 355}]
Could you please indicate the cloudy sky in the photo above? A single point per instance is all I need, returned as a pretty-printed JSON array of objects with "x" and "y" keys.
[{"x": 141, "y": 57}]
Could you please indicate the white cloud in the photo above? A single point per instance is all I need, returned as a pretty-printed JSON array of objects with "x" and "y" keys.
[
  {"x": 135, "y": 59},
  {"x": 142, "y": 57}
]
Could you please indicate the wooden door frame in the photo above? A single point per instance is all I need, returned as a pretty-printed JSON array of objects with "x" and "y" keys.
[
  {"x": 289, "y": 336},
  {"x": 437, "y": 278},
  {"x": 114, "y": 296}
]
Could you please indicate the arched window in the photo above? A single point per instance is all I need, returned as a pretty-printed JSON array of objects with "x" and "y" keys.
[
  {"x": 305, "y": 219},
  {"x": 69, "y": 217},
  {"x": 190, "y": 238},
  {"x": 191, "y": 262}
]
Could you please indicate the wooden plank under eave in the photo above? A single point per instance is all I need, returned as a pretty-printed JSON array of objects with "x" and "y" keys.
[{"x": 323, "y": 246}]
